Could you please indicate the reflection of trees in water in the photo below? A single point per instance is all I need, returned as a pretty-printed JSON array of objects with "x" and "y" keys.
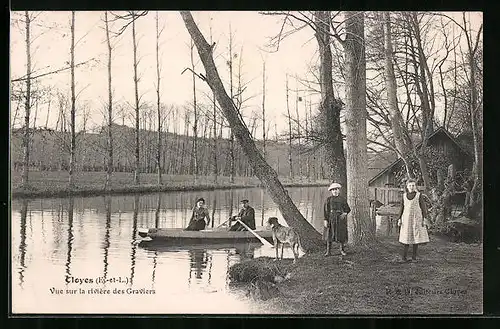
[
  {"x": 22, "y": 244},
  {"x": 132, "y": 242},
  {"x": 71, "y": 236},
  {"x": 262, "y": 207},
  {"x": 198, "y": 263},
  {"x": 107, "y": 206},
  {"x": 155, "y": 263},
  {"x": 157, "y": 212},
  {"x": 58, "y": 227},
  {"x": 231, "y": 201},
  {"x": 214, "y": 206},
  {"x": 42, "y": 221}
]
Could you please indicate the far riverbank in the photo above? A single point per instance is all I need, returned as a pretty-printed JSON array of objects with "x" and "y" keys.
[{"x": 55, "y": 184}]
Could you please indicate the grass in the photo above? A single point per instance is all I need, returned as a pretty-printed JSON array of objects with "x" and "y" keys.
[
  {"x": 447, "y": 279},
  {"x": 53, "y": 184}
]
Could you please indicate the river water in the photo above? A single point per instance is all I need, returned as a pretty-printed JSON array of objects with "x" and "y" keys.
[{"x": 58, "y": 243}]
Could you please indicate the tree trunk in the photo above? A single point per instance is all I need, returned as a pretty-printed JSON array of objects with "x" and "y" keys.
[
  {"x": 298, "y": 127},
  {"x": 214, "y": 146},
  {"x": 136, "y": 89},
  {"x": 73, "y": 105},
  {"x": 158, "y": 107},
  {"x": 231, "y": 139},
  {"x": 195, "y": 124},
  {"x": 158, "y": 208},
  {"x": 264, "y": 109},
  {"x": 308, "y": 164},
  {"x": 290, "y": 161},
  {"x": 426, "y": 100},
  {"x": 48, "y": 113},
  {"x": 475, "y": 193},
  {"x": 395, "y": 115},
  {"x": 310, "y": 237},
  {"x": 329, "y": 105},
  {"x": 109, "y": 170},
  {"x": 26, "y": 134},
  {"x": 361, "y": 229}
]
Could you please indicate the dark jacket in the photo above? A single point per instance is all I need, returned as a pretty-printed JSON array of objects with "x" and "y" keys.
[
  {"x": 248, "y": 217},
  {"x": 333, "y": 204},
  {"x": 336, "y": 229}
]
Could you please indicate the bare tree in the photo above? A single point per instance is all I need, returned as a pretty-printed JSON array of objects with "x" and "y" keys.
[
  {"x": 48, "y": 112},
  {"x": 290, "y": 135},
  {"x": 195, "y": 123},
  {"x": 297, "y": 100},
  {"x": 231, "y": 139},
  {"x": 264, "y": 109},
  {"x": 361, "y": 230},
  {"x": 262, "y": 170},
  {"x": 109, "y": 169},
  {"x": 26, "y": 135},
  {"x": 130, "y": 19},
  {"x": 158, "y": 80},
  {"x": 402, "y": 144},
  {"x": 474, "y": 196},
  {"x": 136, "y": 85},
  {"x": 73, "y": 104},
  {"x": 329, "y": 106}
]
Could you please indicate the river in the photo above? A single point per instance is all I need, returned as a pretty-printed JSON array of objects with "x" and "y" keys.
[{"x": 58, "y": 244}]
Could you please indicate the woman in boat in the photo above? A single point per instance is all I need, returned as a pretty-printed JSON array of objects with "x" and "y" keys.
[
  {"x": 413, "y": 220},
  {"x": 335, "y": 219},
  {"x": 200, "y": 212}
]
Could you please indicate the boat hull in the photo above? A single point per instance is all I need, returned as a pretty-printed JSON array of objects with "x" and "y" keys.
[{"x": 181, "y": 237}]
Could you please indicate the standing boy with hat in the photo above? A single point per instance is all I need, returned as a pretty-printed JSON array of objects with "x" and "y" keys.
[{"x": 335, "y": 219}]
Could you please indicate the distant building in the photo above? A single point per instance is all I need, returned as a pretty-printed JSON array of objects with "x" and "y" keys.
[{"x": 457, "y": 151}]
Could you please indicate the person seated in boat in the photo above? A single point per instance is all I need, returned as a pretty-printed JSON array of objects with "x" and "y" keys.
[
  {"x": 197, "y": 221},
  {"x": 246, "y": 215}
]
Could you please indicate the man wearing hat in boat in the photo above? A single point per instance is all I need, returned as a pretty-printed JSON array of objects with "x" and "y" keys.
[
  {"x": 335, "y": 219},
  {"x": 246, "y": 215}
]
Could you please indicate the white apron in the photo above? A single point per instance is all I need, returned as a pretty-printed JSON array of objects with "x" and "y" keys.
[{"x": 412, "y": 231}]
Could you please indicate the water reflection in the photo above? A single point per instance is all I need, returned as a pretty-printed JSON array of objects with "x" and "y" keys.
[
  {"x": 71, "y": 237},
  {"x": 22, "y": 244},
  {"x": 198, "y": 263},
  {"x": 157, "y": 212},
  {"x": 107, "y": 243},
  {"x": 214, "y": 206},
  {"x": 134, "y": 234},
  {"x": 262, "y": 207},
  {"x": 155, "y": 264},
  {"x": 246, "y": 251},
  {"x": 104, "y": 242}
]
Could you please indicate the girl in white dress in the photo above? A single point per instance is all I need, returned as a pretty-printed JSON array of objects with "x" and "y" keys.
[{"x": 413, "y": 220}]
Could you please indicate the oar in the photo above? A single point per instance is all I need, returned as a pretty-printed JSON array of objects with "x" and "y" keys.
[
  {"x": 223, "y": 223},
  {"x": 264, "y": 241}
]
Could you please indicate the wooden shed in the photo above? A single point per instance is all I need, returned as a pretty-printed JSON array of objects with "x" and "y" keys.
[{"x": 455, "y": 152}]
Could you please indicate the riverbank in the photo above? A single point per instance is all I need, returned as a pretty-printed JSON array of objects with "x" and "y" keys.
[
  {"x": 55, "y": 184},
  {"x": 447, "y": 279}
]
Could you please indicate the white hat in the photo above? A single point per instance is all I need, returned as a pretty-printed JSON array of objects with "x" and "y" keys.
[{"x": 334, "y": 185}]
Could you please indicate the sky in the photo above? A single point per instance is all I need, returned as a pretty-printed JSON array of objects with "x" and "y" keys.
[{"x": 251, "y": 34}]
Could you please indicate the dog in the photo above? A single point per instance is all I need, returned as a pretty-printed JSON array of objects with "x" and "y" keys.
[{"x": 284, "y": 235}]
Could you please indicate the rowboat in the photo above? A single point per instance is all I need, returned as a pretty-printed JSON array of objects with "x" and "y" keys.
[
  {"x": 208, "y": 236},
  {"x": 171, "y": 246}
]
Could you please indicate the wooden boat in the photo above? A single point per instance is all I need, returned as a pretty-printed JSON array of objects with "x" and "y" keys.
[
  {"x": 208, "y": 236},
  {"x": 172, "y": 246}
]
